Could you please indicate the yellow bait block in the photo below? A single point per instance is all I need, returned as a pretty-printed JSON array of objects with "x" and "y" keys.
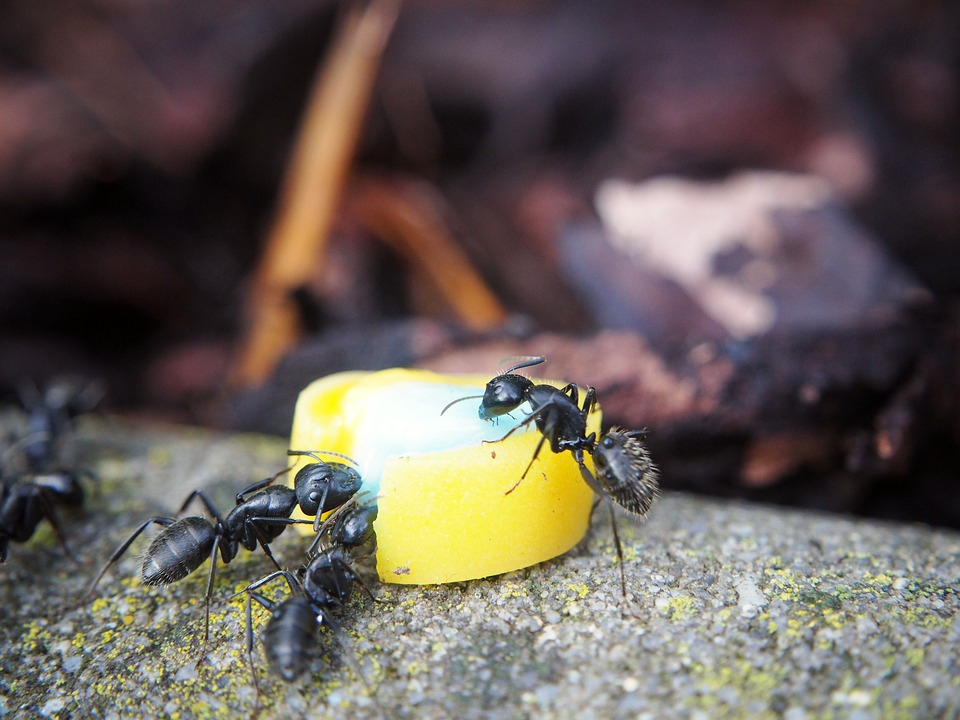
[{"x": 440, "y": 480}]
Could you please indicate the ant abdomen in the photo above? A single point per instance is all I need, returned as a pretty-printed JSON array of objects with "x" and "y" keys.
[
  {"x": 177, "y": 551},
  {"x": 625, "y": 471},
  {"x": 290, "y": 638},
  {"x": 321, "y": 486}
]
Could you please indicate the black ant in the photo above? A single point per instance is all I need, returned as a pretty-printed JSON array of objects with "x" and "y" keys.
[
  {"x": 31, "y": 493},
  {"x": 321, "y": 586},
  {"x": 186, "y": 542},
  {"x": 625, "y": 474},
  {"x": 26, "y": 501},
  {"x": 318, "y": 588},
  {"x": 350, "y": 527},
  {"x": 556, "y": 411},
  {"x": 561, "y": 420}
]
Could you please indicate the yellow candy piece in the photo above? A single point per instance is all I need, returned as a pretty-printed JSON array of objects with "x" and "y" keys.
[{"x": 443, "y": 512}]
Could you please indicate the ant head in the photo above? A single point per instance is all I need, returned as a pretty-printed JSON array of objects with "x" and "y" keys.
[
  {"x": 355, "y": 527},
  {"x": 503, "y": 394},
  {"x": 506, "y": 391},
  {"x": 321, "y": 486}
]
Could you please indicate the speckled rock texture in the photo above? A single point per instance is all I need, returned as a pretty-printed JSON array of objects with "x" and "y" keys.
[{"x": 734, "y": 611}]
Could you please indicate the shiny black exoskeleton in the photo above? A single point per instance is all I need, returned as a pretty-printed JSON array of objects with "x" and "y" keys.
[
  {"x": 625, "y": 474},
  {"x": 322, "y": 486},
  {"x": 504, "y": 393},
  {"x": 561, "y": 420},
  {"x": 26, "y": 501},
  {"x": 556, "y": 411},
  {"x": 185, "y": 543},
  {"x": 349, "y": 527},
  {"x": 35, "y": 473},
  {"x": 507, "y": 390},
  {"x": 291, "y": 638},
  {"x": 354, "y": 530},
  {"x": 624, "y": 471}
]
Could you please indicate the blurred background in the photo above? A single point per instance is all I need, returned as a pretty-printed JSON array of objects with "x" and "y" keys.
[{"x": 738, "y": 220}]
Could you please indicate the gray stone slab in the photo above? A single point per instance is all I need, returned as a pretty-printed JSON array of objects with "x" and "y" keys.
[{"x": 735, "y": 611}]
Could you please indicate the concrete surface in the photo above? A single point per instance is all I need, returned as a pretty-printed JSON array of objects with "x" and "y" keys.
[{"x": 737, "y": 611}]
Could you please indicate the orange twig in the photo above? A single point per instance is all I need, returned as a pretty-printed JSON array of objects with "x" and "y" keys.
[
  {"x": 324, "y": 151},
  {"x": 406, "y": 215}
]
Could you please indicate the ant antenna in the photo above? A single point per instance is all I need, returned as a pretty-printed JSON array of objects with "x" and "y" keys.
[
  {"x": 454, "y": 402},
  {"x": 315, "y": 454},
  {"x": 525, "y": 361}
]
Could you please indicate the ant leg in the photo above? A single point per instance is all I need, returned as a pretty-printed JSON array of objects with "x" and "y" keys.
[
  {"x": 595, "y": 486},
  {"x": 209, "y": 596},
  {"x": 589, "y": 478},
  {"x": 345, "y": 567},
  {"x": 536, "y": 452},
  {"x": 270, "y": 605},
  {"x": 165, "y": 521},
  {"x": 324, "y": 529},
  {"x": 593, "y": 508},
  {"x": 616, "y": 542},
  {"x": 605, "y": 496},
  {"x": 251, "y": 523},
  {"x": 205, "y": 499},
  {"x": 571, "y": 391},
  {"x": 627, "y": 605},
  {"x": 266, "y": 520},
  {"x": 321, "y": 508},
  {"x": 327, "y": 526},
  {"x": 287, "y": 575},
  {"x": 363, "y": 586},
  {"x": 526, "y": 421},
  {"x": 248, "y": 634},
  {"x": 260, "y": 484},
  {"x": 47, "y": 511},
  {"x": 588, "y": 401}
]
